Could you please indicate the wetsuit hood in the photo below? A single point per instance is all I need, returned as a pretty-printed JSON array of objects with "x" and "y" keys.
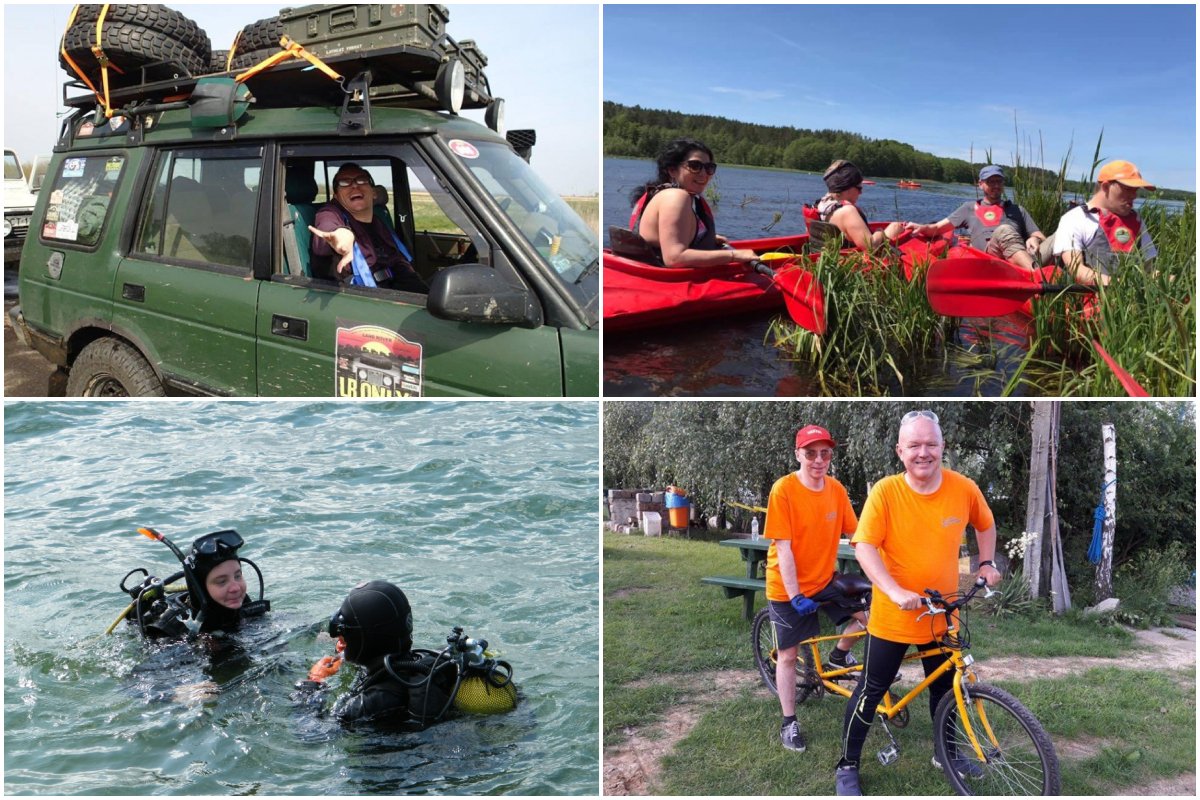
[{"x": 376, "y": 620}]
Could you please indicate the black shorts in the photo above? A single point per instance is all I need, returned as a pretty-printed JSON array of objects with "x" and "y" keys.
[{"x": 791, "y": 628}]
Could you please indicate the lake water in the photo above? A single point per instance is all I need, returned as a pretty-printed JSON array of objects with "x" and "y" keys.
[
  {"x": 730, "y": 358},
  {"x": 484, "y": 513}
]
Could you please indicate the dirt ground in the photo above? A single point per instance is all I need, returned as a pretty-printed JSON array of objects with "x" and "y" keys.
[
  {"x": 26, "y": 373},
  {"x": 631, "y": 767}
]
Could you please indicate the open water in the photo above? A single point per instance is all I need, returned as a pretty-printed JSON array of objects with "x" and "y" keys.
[
  {"x": 484, "y": 513},
  {"x": 729, "y": 357}
]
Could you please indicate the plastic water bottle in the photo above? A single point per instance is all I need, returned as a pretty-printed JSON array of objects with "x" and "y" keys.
[{"x": 754, "y": 529}]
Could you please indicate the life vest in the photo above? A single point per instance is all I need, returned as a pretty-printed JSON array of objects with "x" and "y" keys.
[
  {"x": 826, "y": 210},
  {"x": 990, "y": 216},
  {"x": 706, "y": 228},
  {"x": 1121, "y": 235}
]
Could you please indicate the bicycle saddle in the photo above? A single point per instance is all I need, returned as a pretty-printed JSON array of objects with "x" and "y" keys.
[{"x": 851, "y": 585}]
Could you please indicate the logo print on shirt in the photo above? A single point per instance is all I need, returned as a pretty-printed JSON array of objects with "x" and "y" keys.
[
  {"x": 831, "y": 516},
  {"x": 948, "y": 521}
]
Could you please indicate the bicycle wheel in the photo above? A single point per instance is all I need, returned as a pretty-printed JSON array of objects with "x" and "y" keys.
[
  {"x": 762, "y": 638},
  {"x": 1019, "y": 758}
]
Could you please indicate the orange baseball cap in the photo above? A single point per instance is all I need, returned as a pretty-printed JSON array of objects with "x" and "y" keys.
[
  {"x": 812, "y": 433},
  {"x": 1124, "y": 173}
]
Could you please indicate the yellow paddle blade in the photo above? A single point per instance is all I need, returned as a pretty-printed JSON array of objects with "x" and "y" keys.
[
  {"x": 150, "y": 533},
  {"x": 775, "y": 256}
]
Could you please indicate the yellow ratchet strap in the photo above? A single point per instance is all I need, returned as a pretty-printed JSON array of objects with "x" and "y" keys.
[
  {"x": 748, "y": 508},
  {"x": 290, "y": 50}
]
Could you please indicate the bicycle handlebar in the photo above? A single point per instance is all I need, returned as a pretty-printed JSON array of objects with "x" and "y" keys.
[{"x": 937, "y": 604}]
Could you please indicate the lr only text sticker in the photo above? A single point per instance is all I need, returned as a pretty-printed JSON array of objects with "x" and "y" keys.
[{"x": 371, "y": 361}]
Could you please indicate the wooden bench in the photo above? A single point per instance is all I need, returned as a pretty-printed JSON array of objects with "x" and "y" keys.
[{"x": 739, "y": 587}]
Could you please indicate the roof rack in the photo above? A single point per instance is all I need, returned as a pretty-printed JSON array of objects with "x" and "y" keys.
[{"x": 401, "y": 76}]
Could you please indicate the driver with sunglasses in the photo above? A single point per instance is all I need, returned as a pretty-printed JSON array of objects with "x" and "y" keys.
[
  {"x": 807, "y": 513},
  {"x": 349, "y": 220}
]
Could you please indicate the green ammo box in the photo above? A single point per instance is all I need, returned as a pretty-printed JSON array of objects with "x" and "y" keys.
[{"x": 331, "y": 31}]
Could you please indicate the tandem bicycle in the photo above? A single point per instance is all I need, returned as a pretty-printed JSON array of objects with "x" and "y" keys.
[{"x": 987, "y": 742}]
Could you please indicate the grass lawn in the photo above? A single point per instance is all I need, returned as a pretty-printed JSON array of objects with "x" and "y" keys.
[{"x": 1112, "y": 727}]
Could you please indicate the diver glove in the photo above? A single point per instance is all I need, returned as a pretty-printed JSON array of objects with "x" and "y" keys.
[
  {"x": 325, "y": 667},
  {"x": 803, "y": 605}
]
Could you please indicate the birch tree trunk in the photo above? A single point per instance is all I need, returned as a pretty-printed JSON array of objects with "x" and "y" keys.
[
  {"x": 1104, "y": 568},
  {"x": 1035, "y": 516}
]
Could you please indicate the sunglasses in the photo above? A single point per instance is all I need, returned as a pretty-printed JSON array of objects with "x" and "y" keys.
[
  {"x": 346, "y": 183},
  {"x": 914, "y": 415},
  {"x": 824, "y": 454},
  {"x": 695, "y": 165}
]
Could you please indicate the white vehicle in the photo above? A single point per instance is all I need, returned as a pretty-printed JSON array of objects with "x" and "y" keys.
[{"x": 18, "y": 207}]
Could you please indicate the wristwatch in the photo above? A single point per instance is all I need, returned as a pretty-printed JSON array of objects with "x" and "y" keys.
[{"x": 987, "y": 563}]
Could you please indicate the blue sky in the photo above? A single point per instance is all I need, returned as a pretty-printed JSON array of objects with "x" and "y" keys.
[
  {"x": 542, "y": 59},
  {"x": 941, "y": 78}
]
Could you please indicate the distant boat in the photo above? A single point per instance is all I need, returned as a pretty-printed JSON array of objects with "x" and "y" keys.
[
  {"x": 908, "y": 184},
  {"x": 869, "y": 183}
]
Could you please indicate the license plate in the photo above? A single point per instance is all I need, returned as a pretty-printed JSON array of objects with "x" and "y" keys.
[{"x": 19, "y": 222}]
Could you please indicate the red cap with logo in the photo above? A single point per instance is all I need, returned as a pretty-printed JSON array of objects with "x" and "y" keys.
[
  {"x": 1124, "y": 173},
  {"x": 813, "y": 433}
]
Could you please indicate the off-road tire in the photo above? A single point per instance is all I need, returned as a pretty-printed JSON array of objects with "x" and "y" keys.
[
  {"x": 216, "y": 62},
  {"x": 156, "y": 17},
  {"x": 131, "y": 47},
  {"x": 109, "y": 367},
  {"x": 257, "y": 42},
  {"x": 1024, "y": 763}
]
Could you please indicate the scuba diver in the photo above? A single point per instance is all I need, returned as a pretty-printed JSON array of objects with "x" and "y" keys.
[
  {"x": 400, "y": 685},
  {"x": 212, "y": 598}
]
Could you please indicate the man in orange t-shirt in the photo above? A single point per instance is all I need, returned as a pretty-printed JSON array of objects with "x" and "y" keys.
[
  {"x": 807, "y": 513},
  {"x": 908, "y": 539}
]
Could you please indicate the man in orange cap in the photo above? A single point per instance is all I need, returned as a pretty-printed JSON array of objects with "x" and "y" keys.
[
  {"x": 807, "y": 513},
  {"x": 1092, "y": 238}
]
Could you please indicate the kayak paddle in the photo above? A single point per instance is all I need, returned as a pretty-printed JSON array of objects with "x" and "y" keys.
[
  {"x": 975, "y": 287},
  {"x": 802, "y": 294},
  {"x": 1131, "y": 386}
]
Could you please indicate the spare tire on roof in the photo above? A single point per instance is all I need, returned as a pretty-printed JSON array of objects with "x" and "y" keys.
[
  {"x": 216, "y": 62},
  {"x": 151, "y": 39},
  {"x": 261, "y": 35}
]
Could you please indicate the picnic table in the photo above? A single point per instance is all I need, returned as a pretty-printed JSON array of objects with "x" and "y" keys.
[{"x": 754, "y": 554}]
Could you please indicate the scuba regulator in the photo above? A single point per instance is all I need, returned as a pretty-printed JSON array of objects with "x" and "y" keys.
[{"x": 163, "y": 608}]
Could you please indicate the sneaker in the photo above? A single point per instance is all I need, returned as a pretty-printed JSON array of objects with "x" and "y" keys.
[
  {"x": 964, "y": 767},
  {"x": 847, "y": 781},
  {"x": 839, "y": 661},
  {"x": 789, "y": 734}
]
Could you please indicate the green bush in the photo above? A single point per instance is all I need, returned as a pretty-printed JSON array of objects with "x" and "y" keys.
[{"x": 1145, "y": 583}]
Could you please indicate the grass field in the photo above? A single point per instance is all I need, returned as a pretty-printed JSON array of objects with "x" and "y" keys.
[
  {"x": 665, "y": 634},
  {"x": 427, "y": 216}
]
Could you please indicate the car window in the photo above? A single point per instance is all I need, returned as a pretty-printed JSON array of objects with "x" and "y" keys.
[
  {"x": 12, "y": 169},
  {"x": 79, "y": 200},
  {"x": 201, "y": 209}
]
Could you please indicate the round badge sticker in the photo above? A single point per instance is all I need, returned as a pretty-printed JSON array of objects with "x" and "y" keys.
[
  {"x": 463, "y": 149},
  {"x": 1123, "y": 235},
  {"x": 990, "y": 216}
]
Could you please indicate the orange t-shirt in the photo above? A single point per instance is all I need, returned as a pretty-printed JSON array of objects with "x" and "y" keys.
[
  {"x": 918, "y": 536},
  {"x": 813, "y": 522}
]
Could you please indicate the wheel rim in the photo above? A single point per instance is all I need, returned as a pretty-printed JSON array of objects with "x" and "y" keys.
[
  {"x": 105, "y": 386},
  {"x": 1013, "y": 765}
]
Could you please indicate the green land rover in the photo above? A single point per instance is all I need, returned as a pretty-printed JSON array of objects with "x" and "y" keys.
[{"x": 168, "y": 251}]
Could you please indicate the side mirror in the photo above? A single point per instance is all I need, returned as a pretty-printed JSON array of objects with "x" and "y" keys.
[
  {"x": 522, "y": 141},
  {"x": 475, "y": 293}
]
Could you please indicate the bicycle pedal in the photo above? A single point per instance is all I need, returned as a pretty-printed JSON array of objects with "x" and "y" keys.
[{"x": 888, "y": 755}]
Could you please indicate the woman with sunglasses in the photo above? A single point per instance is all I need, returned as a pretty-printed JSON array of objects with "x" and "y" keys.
[
  {"x": 837, "y": 207},
  {"x": 347, "y": 222},
  {"x": 671, "y": 215}
]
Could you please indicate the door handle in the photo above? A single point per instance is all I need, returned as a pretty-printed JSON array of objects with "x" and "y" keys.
[{"x": 289, "y": 327}]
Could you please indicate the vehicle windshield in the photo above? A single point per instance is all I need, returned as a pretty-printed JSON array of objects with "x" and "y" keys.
[
  {"x": 12, "y": 168},
  {"x": 561, "y": 238}
]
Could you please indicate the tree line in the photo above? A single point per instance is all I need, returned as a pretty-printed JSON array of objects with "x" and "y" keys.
[
  {"x": 636, "y": 132},
  {"x": 721, "y": 451}
]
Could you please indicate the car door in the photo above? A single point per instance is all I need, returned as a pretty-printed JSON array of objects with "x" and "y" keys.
[
  {"x": 318, "y": 337},
  {"x": 185, "y": 291}
]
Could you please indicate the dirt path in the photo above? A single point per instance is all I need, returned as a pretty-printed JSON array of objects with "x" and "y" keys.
[{"x": 631, "y": 767}]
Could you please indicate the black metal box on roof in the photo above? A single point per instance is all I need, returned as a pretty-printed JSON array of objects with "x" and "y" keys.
[{"x": 328, "y": 31}]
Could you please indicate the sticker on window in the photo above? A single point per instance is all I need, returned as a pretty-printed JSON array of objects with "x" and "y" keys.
[
  {"x": 371, "y": 361},
  {"x": 73, "y": 167},
  {"x": 463, "y": 149}
]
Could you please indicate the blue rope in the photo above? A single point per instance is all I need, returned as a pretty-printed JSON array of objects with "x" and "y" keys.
[{"x": 1096, "y": 548}]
